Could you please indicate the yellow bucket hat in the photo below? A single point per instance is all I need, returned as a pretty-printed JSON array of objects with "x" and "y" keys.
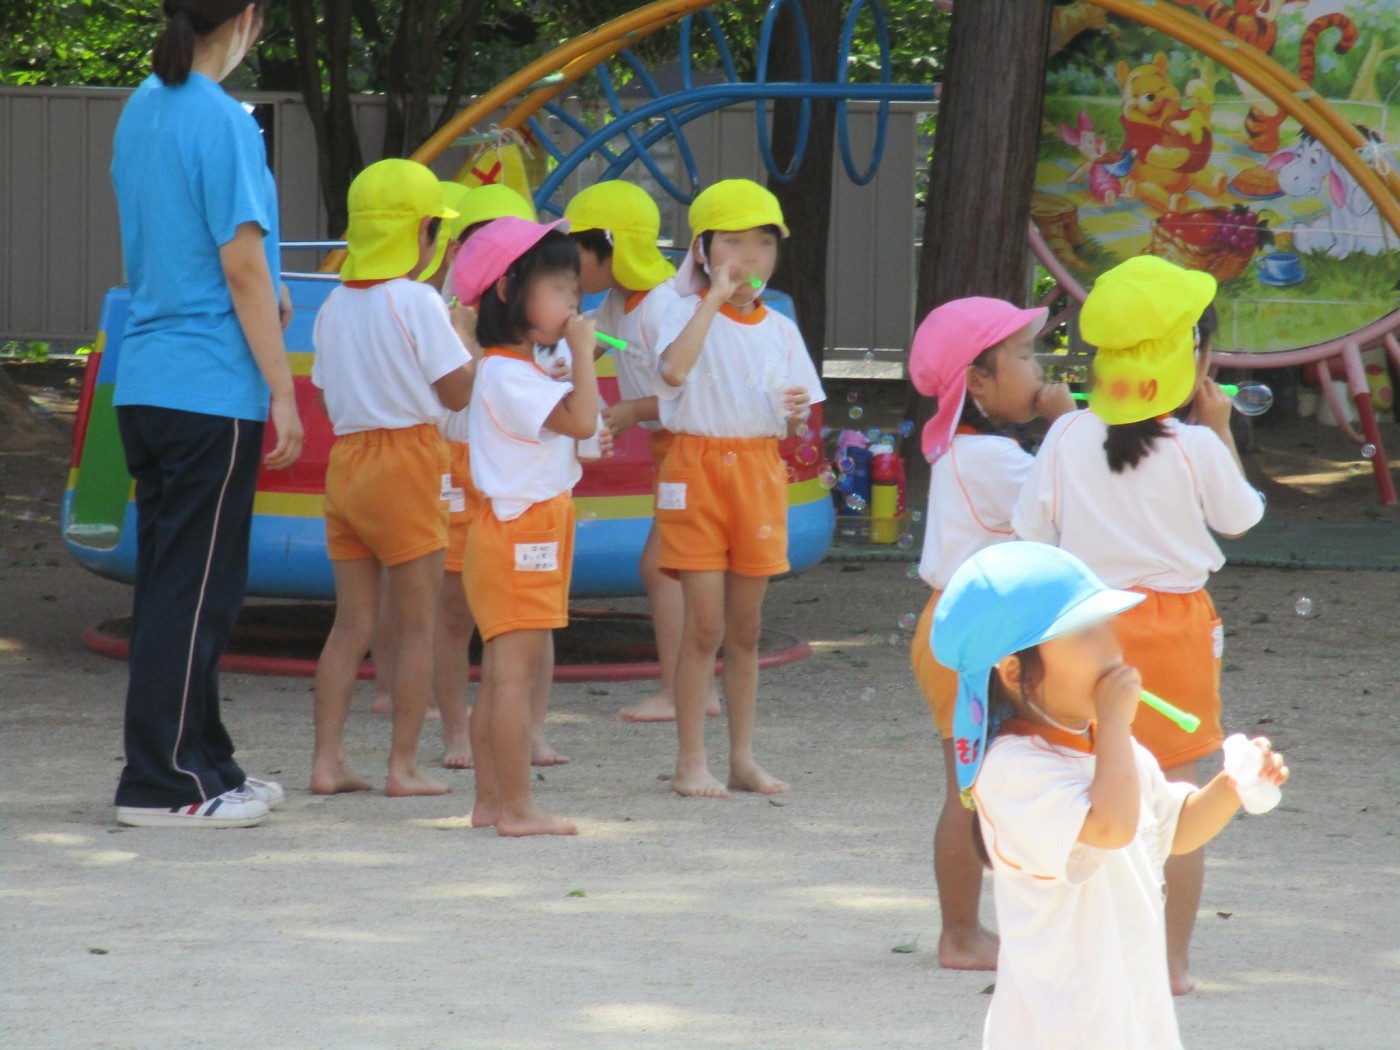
[
  {"x": 495, "y": 201},
  {"x": 453, "y": 195},
  {"x": 1141, "y": 315},
  {"x": 633, "y": 222},
  {"x": 734, "y": 204},
  {"x": 387, "y": 202}
]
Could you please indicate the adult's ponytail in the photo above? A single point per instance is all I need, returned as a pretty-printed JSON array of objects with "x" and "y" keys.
[{"x": 186, "y": 19}]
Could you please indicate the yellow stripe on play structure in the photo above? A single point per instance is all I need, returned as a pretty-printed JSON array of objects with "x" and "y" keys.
[{"x": 1293, "y": 96}]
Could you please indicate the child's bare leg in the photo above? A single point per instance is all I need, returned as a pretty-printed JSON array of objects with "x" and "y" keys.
[
  {"x": 743, "y": 619},
  {"x": 452, "y": 671},
  {"x": 541, "y": 754},
  {"x": 667, "y": 620},
  {"x": 1186, "y": 877},
  {"x": 357, "y": 597},
  {"x": 381, "y": 651},
  {"x": 515, "y": 669},
  {"x": 695, "y": 671},
  {"x": 964, "y": 944},
  {"x": 414, "y": 588},
  {"x": 486, "y": 809}
]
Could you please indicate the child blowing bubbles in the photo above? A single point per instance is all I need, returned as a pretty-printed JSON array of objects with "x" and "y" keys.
[
  {"x": 1075, "y": 816},
  {"x": 1136, "y": 493},
  {"x": 389, "y": 365},
  {"x": 977, "y": 357},
  {"x": 733, "y": 379},
  {"x": 519, "y": 553}
]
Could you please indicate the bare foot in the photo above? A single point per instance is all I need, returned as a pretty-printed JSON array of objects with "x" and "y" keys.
[
  {"x": 541, "y": 754},
  {"x": 961, "y": 951},
  {"x": 534, "y": 821},
  {"x": 661, "y": 708},
  {"x": 404, "y": 785},
  {"x": 457, "y": 751},
  {"x": 699, "y": 784},
  {"x": 335, "y": 780},
  {"x": 1182, "y": 983},
  {"x": 383, "y": 704},
  {"x": 485, "y": 816},
  {"x": 752, "y": 778}
]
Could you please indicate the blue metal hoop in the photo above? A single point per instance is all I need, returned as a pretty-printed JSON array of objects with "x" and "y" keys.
[
  {"x": 804, "y": 120},
  {"x": 843, "y": 64}
]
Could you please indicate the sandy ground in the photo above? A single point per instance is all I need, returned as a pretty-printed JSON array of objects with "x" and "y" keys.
[{"x": 368, "y": 922}]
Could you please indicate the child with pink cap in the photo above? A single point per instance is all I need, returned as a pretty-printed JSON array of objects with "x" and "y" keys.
[{"x": 977, "y": 357}]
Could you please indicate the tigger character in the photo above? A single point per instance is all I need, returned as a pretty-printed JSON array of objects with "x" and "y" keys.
[
  {"x": 1172, "y": 141},
  {"x": 1256, "y": 23}
]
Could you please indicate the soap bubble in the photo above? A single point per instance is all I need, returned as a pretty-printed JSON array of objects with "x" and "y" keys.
[
  {"x": 826, "y": 433},
  {"x": 750, "y": 381},
  {"x": 906, "y": 427},
  {"x": 868, "y": 693},
  {"x": 912, "y": 572},
  {"x": 870, "y": 357},
  {"x": 852, "y": 398},
  {"x": 1303, "y": 607},
  {"x": 1253, "y": 399},
  {"x": 827, "y": 477},
  {"x": 806, "y": 455},
  {"x": 874, "y": 435},
  {"x": 806, "y": 433},
  {"x": 730, "y": 459},
  {"x": 916, "y": 516},
  {"x": 905, "y": 542},
  {"x": 855, "y": 501},
  {"x": 895, "y": 639},
  {"x": 845, "y": 464},
  {"x": 792, "y": 474},
  {"x": 856, "y": 412},
  {"x": 846, "y": 482},
  {"x": 587, "y": 518},
  {"x": 765, "y": 531},
  {"x": 907, "y": 621},
  {"x": 1368, "y": 451}
]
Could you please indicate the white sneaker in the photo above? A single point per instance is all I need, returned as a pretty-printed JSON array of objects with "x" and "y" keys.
[
  {"x": 268, "y": 792},
  {"x": 232, "y": 809}
]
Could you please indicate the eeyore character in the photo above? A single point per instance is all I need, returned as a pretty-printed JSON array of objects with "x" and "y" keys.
[{"x": 1351, "y": 223}]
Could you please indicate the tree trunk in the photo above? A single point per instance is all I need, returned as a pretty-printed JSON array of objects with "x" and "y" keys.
[
  {"x": 806, "y": 200},
  {"x": 983, "y": 167},
  {"x": 338, "y": 155}
]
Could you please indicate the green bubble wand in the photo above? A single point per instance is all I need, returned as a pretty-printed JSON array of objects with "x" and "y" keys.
[{"x": 1190, "y": 723}]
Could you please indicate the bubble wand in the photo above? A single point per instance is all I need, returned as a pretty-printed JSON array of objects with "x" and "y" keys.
[
  {"x": 611, "y": 341},
  {"x": 1190, "y": 723},
  {"x": 1252, "y": 399}
]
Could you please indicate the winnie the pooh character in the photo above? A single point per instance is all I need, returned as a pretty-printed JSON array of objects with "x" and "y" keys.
[{"x": 1171, "y": 140}]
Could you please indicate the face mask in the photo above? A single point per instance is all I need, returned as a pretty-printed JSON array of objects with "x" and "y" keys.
[{"x": 238, "y": 49}]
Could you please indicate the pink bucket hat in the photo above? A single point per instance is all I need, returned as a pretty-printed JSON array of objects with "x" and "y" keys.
[
  {"x": 945, "y": 345},
  {"x": 489, "y": 253}
]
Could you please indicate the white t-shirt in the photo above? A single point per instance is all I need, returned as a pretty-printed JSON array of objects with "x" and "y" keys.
[
  {"x": 736, "y": 388},
  {"x": 378, "y": 352},
  {"x": 1083, "y": 959},
  {"x": 516, "y": 462},
  {"x": 972, "y": 488},
  {"x": 1149, "y": 526},
  {"x": 638, "y": 327}
]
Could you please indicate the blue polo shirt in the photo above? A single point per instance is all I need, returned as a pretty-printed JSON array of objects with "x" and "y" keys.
[{"x": 189, "y": 168}]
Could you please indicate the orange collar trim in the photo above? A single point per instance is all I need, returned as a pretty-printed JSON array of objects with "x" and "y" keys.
[
  {"x": 754, "y": 316},
  {"x": 501, "y": 351},
  {"x": 1051, "y": 734},
  {"x": 633, "y": 301}
]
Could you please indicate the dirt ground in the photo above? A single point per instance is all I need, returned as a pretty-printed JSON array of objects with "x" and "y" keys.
[{"x": 369, "y": 922}]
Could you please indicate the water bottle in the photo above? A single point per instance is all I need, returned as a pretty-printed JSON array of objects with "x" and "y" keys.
[{"x": 1244, "y": 762}]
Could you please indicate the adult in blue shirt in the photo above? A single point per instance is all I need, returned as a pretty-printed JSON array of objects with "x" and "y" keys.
[{"x": 201, "y": 358}]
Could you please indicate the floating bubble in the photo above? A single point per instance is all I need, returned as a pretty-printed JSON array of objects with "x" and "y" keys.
[
  {"x": 765, "y": 531},
  {"x": 916, "y": 516},
  {"x": 895, "y": 639},
  {"x": 907, "y": 621},
  {"x": 845, "y": 464},
  {"x": 750, "y": 381},
  {"x": 587, "y": 518},
  {"x": 806, "y": 455},
  {"x": 806, "y": 433},
  {"x": 1253, "y": 399},
  {"x": 855, "y": 501},
  {"x": 905, "y": 542},
  {"x": 730, "y": 459},
  {"x": 869, "y": 356},
  {"x": 852, "y": 398},
  {"x": 827, "y": 477},
  {"x": 1303, "y": 607},
  {"x": 874, "y": 435},
  {"x": 846, "y": 482},
  {"x": 1368, "y": 451},
  {"x": 826, "y": 433},
  {"x": 912, "y": 572},
  {"x": 856, "y": 412},
  {"x": 791, "y": 474},
  {"x": 906, "y": 427},
  {"x": 868, "y": 693}
]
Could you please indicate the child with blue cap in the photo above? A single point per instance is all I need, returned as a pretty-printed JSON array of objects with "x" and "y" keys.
[{"x": 1074, "y": 817}]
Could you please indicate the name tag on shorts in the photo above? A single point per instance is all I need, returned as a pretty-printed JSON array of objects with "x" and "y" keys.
[
  {"x": 537, "y": 557},
  {"x": 1217, "y": 641},
  {"x": 456, "y": 499},
  {"x": 670, "y": 495}
]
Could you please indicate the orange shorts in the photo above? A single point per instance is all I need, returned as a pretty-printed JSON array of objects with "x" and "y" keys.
[
  {"x": 463, "y": 505},
  {"x": 1176, "y": 641},
  {"x": 385, "y": 495},
  {"x": 659, "y": 443},
  {"x": 517, "y": 573},
  {"x": 721, "y": 505},
  {"x": 939, "y": 684}
]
